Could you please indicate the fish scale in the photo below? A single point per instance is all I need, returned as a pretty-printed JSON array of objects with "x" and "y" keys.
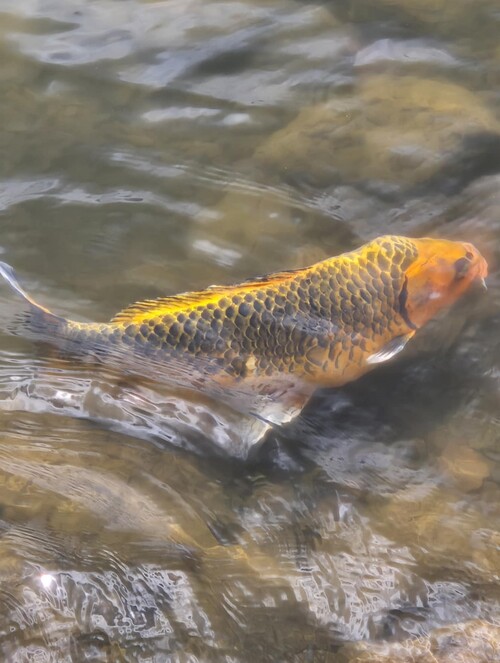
[{"x": 302, "y": 322}]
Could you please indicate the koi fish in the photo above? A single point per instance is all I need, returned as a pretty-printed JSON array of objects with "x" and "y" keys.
[{"x": 273, "y": 340}]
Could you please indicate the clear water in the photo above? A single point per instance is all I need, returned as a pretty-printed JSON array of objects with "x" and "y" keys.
[{"x": 155, "y": 147}]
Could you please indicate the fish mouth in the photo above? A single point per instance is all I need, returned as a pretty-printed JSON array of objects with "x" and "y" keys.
[
  {"x": 481, "y": 273},
  {"x": 480, "y": 265}
]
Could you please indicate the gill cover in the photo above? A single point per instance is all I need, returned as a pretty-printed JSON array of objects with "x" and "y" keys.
[{"x": 440, "y": 274}]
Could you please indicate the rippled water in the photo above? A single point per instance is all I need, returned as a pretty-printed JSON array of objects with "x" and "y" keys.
[{"x": 156, "y": 147}]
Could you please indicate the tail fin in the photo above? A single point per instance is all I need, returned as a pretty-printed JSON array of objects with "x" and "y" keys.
[{"x": 33, "y": 321}]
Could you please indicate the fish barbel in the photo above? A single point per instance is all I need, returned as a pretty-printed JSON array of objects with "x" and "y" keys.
[{"x": 285, "y": 334}]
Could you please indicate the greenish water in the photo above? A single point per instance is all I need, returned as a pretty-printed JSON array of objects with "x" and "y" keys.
[{"x": 150, "y": 148}]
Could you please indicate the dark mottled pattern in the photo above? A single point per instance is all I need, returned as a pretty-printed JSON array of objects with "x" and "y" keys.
[{"x": 302, "y": 321}]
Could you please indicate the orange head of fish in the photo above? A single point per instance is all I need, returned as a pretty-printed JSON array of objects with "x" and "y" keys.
[{"x": 440, "y": 274}]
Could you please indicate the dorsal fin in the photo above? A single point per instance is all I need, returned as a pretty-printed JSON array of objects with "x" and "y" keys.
[
  {"x": 185, "y": 300},
  {"x": 164, "y": 305},
  {"x": 271, "y": 278}
]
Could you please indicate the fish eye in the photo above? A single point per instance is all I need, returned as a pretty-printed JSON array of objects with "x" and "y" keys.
[{"x": 462, "y": 265}]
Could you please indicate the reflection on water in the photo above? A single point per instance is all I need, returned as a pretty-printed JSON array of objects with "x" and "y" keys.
[
  {"x": 172, "y": 413},
  {"x": 156, "y": 147}
]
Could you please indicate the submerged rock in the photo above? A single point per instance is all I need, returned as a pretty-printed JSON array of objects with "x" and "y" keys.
[
  {"x": 252, "y": 223},
  {"x": 439, "y": 17},
  {"x": 449, "y": 533},
  {"x": 411, "y": 51},
  {"x": 471, "y": 642},
  {"x": 464, "y": 465},
  {"x": 397, "y": 129}
]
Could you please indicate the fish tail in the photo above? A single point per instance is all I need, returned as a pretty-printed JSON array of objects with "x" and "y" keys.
[{"x": 33, "y": 320}]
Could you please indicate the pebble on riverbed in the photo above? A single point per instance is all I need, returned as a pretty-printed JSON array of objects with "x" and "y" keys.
[
  {"x": 466, "y": 466},
  {"x": 470, "y": 642}
]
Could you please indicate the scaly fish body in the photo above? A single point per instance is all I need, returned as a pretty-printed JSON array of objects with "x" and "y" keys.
[
  {"x": 318, "y": 323},
  {"x": 320, "y": 326}
]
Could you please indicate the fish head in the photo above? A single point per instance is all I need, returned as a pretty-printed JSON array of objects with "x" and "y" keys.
[{"x": 440, "y": 274}]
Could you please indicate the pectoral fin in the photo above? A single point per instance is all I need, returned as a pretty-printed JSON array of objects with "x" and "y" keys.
[{"x": 391, "y": 349}]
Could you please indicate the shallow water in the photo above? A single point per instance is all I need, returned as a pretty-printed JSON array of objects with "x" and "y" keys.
[{"x": 155, "y": 147}]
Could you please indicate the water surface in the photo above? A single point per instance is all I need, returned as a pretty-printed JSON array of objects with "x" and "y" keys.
[{"x": 150, "y": 148}]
